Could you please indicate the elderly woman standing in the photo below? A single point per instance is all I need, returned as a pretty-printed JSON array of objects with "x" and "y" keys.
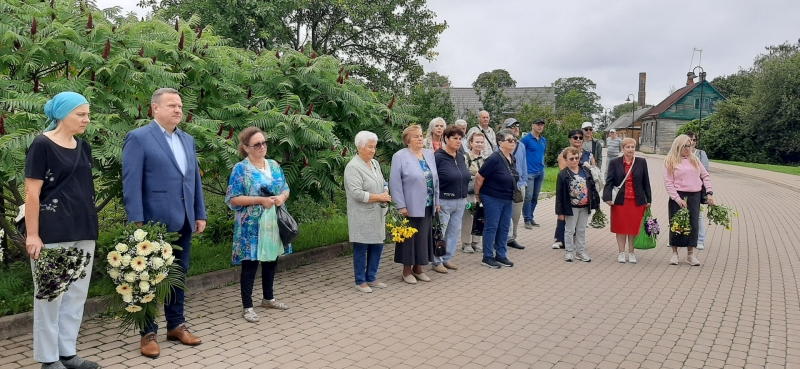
[
  {"x": 434, "y": 139},
  {"x": 414, "y": 185},
  {"x": 703, "y": 157},
  {"x": 576, "y": 141},
  {"x": 576, "y": 197},
  {"x": 366, "y": 191},
  {"x": 627, "y": 210},
  {"x": 684, "y": 177},
  {"x": 256, "y": 186},
  {"x": 59, "y": 194},
  {"x": 494, "y": 187},
  {"x": 475, "y": 160},
  {"x": 454, "y": 180}
]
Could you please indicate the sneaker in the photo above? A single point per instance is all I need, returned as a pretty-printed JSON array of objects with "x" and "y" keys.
[
  {"x": 467, "y": 248},
  {"x": 504, "y": 262},
  {"x": 674, "y": 259},
  {"x": 366, "y": 289},
  {"x": 250, "y": 315},
  {"x": 477, "y": 247},
  {"x": 534, "y": 224},
  {"x": 491, "y": 263},
  {"x": 78, "y": 363},
  {"x": 584, "y": 256},
  {"x": 515, "y": 245},
  {"x": 439, "y": 269},
  {"x": 556, "y": 245},
  {"x": 632, "y": 258},
  {"x": 528, "y": 225},
  {"x": 55, "y": 365},
  {"x": 273, "y": 304},
  {"x": 568, "y": 257},
  {"x": 692, "y": 260},
  {"x": 701, "y": 246},
  {"x": 621, "y": 257}
]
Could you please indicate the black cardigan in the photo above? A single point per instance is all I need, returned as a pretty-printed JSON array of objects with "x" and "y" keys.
[
  {"x": 563, "y": 200},
  {"x": 641, "y": 181}
]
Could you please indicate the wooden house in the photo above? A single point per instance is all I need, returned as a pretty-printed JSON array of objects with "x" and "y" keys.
[
  {"x": 659, "y": 126},
  {"x": 629, "y": 125}
]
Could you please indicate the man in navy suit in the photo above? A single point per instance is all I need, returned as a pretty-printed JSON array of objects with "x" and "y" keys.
[{"x": 161, "y": 183}]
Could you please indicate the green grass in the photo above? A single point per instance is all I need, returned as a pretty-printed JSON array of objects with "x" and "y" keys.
[
  {"x": 549, "y": 184},
  {"x": 795, "y": 170},
  {"x": 322, "y": 232}
]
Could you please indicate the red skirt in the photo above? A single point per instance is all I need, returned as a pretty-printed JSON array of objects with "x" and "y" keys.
[{"x": 627, "y": 218}]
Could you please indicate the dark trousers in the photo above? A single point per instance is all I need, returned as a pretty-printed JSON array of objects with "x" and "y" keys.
[
  {"x": 560, "y": 226},
  {"x": 249, "y": 268},
  {"x": 173, "y": 309}
]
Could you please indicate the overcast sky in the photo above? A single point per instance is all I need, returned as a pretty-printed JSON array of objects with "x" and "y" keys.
[{"x": 609, "y": 42}]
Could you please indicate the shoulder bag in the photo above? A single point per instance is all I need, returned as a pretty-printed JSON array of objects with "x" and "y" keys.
[
  {"x": 518, "y": 198},
  {"x": 22, "y": 229},
  {"x": 615, "y": 189},
  {"x": 439, "y": 244}
]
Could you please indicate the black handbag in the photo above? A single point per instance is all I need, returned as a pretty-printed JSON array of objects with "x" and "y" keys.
[
  {"x": 703, "y": 195},
  {"x": 518, "y": 198},
  {"x": 287, "y": 226},
  {"x": 439, "y": 245},
  {"x": 478, "y": 221},
  {"x": 22, "y": 229}
]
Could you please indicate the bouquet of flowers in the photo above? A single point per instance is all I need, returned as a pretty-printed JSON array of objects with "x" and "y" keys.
[
  {"x": 681, "y": 223},
  {"x": 397, "y": 228},
  {"x": 652, "y": 228},
  {"x": 56, "y": 269},
  {"x": 719, "y": 214},
  {"x": 599, "y": 219},
  {"x": 141, "y": 265}
]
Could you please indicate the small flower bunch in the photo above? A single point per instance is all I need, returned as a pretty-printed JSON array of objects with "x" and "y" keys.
[
  {"x": 397, "y": 227},
  {"x": 681, "y": 224},
  {"x": 719, "y": 214},
  {"x": 139, "y": 264},
  {"x": 652, "y": 227},
  {"x": 599, "y": 219},
  {"x": 56, "y": 269}
]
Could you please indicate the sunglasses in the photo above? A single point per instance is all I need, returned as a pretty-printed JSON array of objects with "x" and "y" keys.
[
  {"x": 260, "y": 145},
  {"x": 575, "y": 158},
  {"x": 577, "y": 138},
  {"x": 694, "y": 140},
  {"x": 510, "y": 140},
  {"x": 588, "y": 129},
  {"x": 687, "y": 146}
]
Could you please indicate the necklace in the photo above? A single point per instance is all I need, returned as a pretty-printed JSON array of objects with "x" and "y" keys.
[{"x": 262, "y": 167}]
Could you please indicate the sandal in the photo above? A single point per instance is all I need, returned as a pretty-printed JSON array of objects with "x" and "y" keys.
[{"x": 273, "y": 304}]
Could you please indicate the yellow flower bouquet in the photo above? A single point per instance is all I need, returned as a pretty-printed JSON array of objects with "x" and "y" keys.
[
  {"x": 397, "y": 226},
  {"x": 141, "y": 263},
  {"x": 680, "y": 222},
  {"x": 719, "y": 214}
]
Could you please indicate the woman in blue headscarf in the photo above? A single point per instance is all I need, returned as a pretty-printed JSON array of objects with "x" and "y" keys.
[{"x": 59, "y": 196}]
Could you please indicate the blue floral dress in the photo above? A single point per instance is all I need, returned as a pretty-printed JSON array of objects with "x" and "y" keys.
[
  {"x": 255, "y": 230},
  {"x": 426, "y": 170}
]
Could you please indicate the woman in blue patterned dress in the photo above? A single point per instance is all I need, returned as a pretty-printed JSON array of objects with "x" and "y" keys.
[{"x": 255, "y": 231}]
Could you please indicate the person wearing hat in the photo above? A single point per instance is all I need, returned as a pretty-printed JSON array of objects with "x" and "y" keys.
[
  {"x": 593, "y": 146},
  {"x": 535, "y": 148},
  {"x": 613, "y": 144},
  {"x": 519, "y": 154},
  {"x": 59, "y": 193}
]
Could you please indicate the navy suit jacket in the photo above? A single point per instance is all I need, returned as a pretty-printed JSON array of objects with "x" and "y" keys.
[{"x": 153, "y": 187}]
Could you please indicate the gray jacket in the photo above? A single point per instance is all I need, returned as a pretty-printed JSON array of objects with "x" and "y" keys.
[
  {"x": 366, "y": 220},
  {"x": 407, "y": 182}
]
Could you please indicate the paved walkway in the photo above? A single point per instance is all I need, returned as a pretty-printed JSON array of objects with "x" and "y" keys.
[{"x": 739, "y": 309}]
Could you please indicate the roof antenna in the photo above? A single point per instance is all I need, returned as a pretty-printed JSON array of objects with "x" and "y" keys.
[{"x": 694, "y": 50}]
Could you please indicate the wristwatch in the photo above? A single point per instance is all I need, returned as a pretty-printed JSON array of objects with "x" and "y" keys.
[{"x": 710, "y": 193}]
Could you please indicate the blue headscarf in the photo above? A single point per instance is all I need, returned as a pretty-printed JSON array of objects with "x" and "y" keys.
[{"x": 60, "y": 106}]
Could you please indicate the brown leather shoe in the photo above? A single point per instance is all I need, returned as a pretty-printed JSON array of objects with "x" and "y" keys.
[
  {"x": 182, "y": 334},
  {"x": 150, "y": 346}
]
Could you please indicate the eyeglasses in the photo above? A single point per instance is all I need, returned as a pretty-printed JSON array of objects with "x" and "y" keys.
[
  {"x": 687, "y": 146},
  {"x": 588, "y": 129},
  {"x": 577, "y": 138},
  {"x": 259, "y": 145},
  {"x": 510, "y": 140},
  {"x": 694, "y": 140},
  {"x": 574, "y": 158}
]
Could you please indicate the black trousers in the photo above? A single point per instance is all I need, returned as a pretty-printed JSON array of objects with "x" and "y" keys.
[{"x": 249, "y": 268}]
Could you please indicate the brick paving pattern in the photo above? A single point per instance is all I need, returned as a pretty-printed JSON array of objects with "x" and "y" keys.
[{"x": 739, "y": 309}]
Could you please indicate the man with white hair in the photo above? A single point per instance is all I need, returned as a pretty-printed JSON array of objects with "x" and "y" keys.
[
  {"x": 462, "y": 125},
  {"x": 488, "y": 132}
]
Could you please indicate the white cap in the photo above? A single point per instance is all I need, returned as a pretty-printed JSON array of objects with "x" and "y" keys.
[
  {"x": 586, "y": 124},
  {"x": 612, "y": 130}
]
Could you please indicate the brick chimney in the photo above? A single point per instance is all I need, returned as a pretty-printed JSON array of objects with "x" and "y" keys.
[
  {"x": 690, "y": 78},
  {"x": 642, "y": 83}
]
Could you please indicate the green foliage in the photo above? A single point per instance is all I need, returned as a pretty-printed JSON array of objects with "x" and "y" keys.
[
  {"x": 576, "y": 95},
  {"x": 16, "y": 288},
  {"x": 431, "y": 98},
  {"x": 387, "y": 39},
  {"x": 490, "y": 88},
  {"x": 556, "y": 128},
  {"x": 739, "y": 84},
  {"x": 322, "y": 232}
]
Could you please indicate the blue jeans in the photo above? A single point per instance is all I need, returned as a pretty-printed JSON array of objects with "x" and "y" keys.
[
  {"x": 498, "y": 221},
  {"x": 703, "y": 225},
  {"x": 451, "y": 215},
  {"x": 173, "y": 309},
  {"x": 534, "y": 187},
  {"x": 366, "y": 260}
]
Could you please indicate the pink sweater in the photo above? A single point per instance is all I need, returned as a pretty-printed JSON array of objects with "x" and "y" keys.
[{"x": 686, "y": 179}]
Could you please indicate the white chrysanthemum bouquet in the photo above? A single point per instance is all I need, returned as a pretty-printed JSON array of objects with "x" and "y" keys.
[
  {"x": 143, "y": 269},
  {"x": 56, "y": 269}
]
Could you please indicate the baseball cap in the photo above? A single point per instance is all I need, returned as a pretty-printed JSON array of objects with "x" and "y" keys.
[
  {"x": 586, "y": 124},
  {"x": 538, "y": 120},
  {"x": 612, "y": 130},
  {"x": 510, "y": 122}
]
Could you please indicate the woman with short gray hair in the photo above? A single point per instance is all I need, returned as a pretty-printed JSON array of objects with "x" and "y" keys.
[{"x": 366, "y": 190}]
